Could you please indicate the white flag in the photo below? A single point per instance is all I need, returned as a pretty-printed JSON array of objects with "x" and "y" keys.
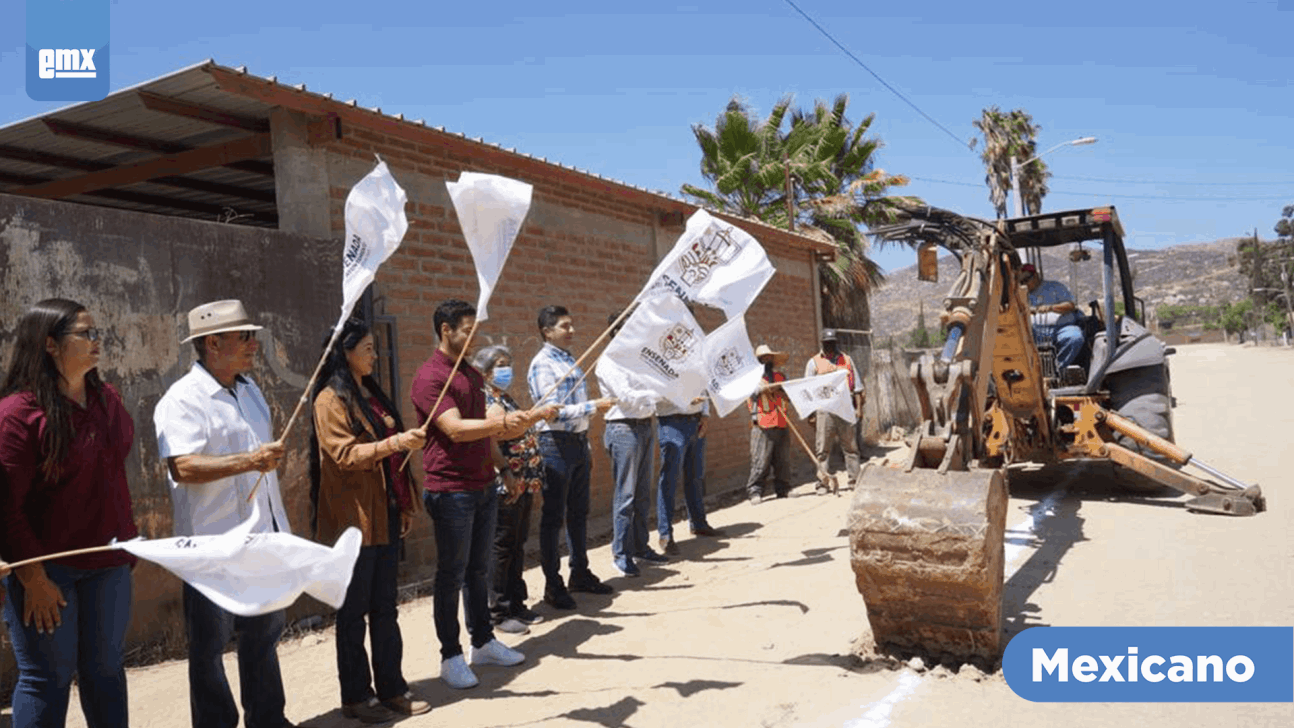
[
  {"x": 660, "y": 347},
  {"x": 490, "y": 210},
  {"x": 714, "y": 263},
  {"x": 250, "y": 574},
  {"x": 828, "y": 392},
  {"x": 375, "y": 225},
  {"x": 734, "y": 372}
]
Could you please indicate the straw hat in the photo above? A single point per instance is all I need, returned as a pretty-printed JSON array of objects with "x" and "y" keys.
[
  {"x": 779, "y": 357},
  {"x": 219, "y": 317}
]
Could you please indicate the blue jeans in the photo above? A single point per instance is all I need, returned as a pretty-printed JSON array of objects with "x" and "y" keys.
[
  {"x": 260, "y": 684},
  {"x": 372, "y": 593},
  {"x": 464, "y": 525},
  {"x": 566, "y": 498},
  {"x": 1069, "y": 344},
  {"x": 88, "y": 643},
  {"x": 682, "y": 458},
  {"x": 629, "y": 444}
]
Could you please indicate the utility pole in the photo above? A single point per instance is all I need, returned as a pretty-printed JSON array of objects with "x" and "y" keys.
[
  {"x": 1255, "y": 278},
  {"x": 790, "y": 206},
  {"x": 1015, "y": 188}
]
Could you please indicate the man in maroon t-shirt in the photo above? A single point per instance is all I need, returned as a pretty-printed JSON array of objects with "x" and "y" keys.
[{"x": 458, "y": 464}]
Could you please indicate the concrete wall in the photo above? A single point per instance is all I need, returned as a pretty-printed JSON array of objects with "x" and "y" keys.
[{"x": 139, "y": 275}]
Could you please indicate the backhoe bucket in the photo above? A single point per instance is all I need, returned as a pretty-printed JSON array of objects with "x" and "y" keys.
[{"x": 927, "y": 554}]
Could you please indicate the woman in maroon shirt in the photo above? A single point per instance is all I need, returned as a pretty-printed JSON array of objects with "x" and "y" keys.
[{"x": 64, "y": 437}]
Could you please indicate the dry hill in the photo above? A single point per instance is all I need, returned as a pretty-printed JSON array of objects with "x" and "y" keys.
[{"x": 1191, "y": 274}]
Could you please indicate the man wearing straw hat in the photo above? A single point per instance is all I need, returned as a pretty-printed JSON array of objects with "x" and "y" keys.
[
  {"x": 214, "y": 433},
  {"x": 770, "y": 443}
]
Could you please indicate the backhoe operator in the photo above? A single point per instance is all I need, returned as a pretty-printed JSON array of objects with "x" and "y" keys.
[{"x": 1054, "y": 316}]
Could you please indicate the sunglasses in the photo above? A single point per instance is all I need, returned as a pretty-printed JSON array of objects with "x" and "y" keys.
[
  {"x": 243, "y": 336},
  {"x": 91, "y": 334}
]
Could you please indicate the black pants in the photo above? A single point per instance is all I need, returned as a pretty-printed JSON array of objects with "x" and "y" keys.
[
  {"x": 372, "y": 593},
  {"x": 507, "y": 587}
]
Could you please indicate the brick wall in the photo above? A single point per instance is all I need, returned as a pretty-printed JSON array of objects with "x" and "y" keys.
[{"x": 582, "y": 246}]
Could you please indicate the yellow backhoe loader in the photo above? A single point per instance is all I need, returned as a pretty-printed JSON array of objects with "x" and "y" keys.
[{"x": 926, "y": 539}]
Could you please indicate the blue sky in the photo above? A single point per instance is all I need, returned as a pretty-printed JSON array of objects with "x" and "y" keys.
[{"x": 1191, "y": 101}]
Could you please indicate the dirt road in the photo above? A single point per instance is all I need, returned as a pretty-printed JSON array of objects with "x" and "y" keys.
[{"x": 755, "y": 629}]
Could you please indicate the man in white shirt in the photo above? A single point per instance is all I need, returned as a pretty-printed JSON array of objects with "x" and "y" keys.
[
  {"x": 681, "y": 434},
  {"x": 628, "y": 439},
  {"x": 214, "y": 433}
]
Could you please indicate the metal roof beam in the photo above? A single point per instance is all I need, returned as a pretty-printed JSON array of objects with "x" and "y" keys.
[
  {"x": 107, "y": 136},
  {"x": 216, "y": 155},
  {"x": 209, "y": 114},
  {"x": 140, "y": 198},
  {"x": 21, "y": 179},
  {"x": 215, "y": 188},
  {"x": 184, "y": 183},
  {"x": 254, "y": 166},
  {"x": 51, "y": 160},
  {"x": 129, "y": 141}
]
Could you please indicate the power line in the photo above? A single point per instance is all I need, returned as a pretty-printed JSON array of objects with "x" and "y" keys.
[
  {"x": 1170, "y": 182},
  {"x": 1120, "y": 196},
  {"x": 875, "y": 75}
]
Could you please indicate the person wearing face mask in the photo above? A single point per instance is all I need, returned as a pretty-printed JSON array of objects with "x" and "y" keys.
[
  {"x": 521, "y": 476},
  {"x": 770, "y": 442},
  {"x": 833, "y": 428}
]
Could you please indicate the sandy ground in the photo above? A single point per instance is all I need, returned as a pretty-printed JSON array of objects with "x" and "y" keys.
[{"x": 756, "y": 628}]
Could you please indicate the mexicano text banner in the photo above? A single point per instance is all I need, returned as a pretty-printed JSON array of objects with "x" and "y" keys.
[{"x": 1152, "y": 664}]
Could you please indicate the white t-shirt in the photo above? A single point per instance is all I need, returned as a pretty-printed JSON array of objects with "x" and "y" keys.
[
  {"x": 1049, "y": 293},
  {"x": 198, "y": 416}
]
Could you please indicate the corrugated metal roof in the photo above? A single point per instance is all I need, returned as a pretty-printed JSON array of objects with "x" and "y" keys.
[
  {"x": 124, "y": 113},
  {"x": 53, "y": 157}
]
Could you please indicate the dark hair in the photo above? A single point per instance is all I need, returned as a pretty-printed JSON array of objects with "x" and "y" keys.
[
  {"x": 613, "y": 318},
  {"x": 451, "y": 312},
  {"x": 32, "y": 369},
  {"x": 548, "y": 316},
  {"x": 336, "y": 373}
]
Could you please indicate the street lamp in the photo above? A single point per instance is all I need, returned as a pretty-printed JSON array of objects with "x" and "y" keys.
[{"x": 1015, "y": 169}]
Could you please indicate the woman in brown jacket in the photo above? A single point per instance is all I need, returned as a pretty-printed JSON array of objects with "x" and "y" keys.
[{"x": 356, "y": 480}]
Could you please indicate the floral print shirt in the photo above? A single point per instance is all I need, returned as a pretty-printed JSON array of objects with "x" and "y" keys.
[{"x": 524, "y": 461}]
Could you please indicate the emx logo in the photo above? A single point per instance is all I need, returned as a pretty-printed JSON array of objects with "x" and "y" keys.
[
  {"x": 67, "y": 50},
  {"x": 67, "y": 63}
]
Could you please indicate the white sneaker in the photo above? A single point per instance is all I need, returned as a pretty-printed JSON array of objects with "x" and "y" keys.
[
  {"x": 495, "y": 652},
  {"x": 457, "y": 674}
]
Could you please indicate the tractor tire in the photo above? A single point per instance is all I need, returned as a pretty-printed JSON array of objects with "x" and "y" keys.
[{"x": 1143, "y": 395}]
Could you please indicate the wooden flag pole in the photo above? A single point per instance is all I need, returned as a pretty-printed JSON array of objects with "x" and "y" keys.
[
  {"x": 619, "y": 319},
  {"x": 59, "y": 555},
  {"x": 305, "y": 397},
  {"x": 431, "y": 413},
  {"x": 823, "y": 475}
]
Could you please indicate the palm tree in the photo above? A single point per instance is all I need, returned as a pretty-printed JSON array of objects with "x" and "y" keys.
[
  {"x": 1007, "y": 135},
  {"x": 833, "y": 187}
]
